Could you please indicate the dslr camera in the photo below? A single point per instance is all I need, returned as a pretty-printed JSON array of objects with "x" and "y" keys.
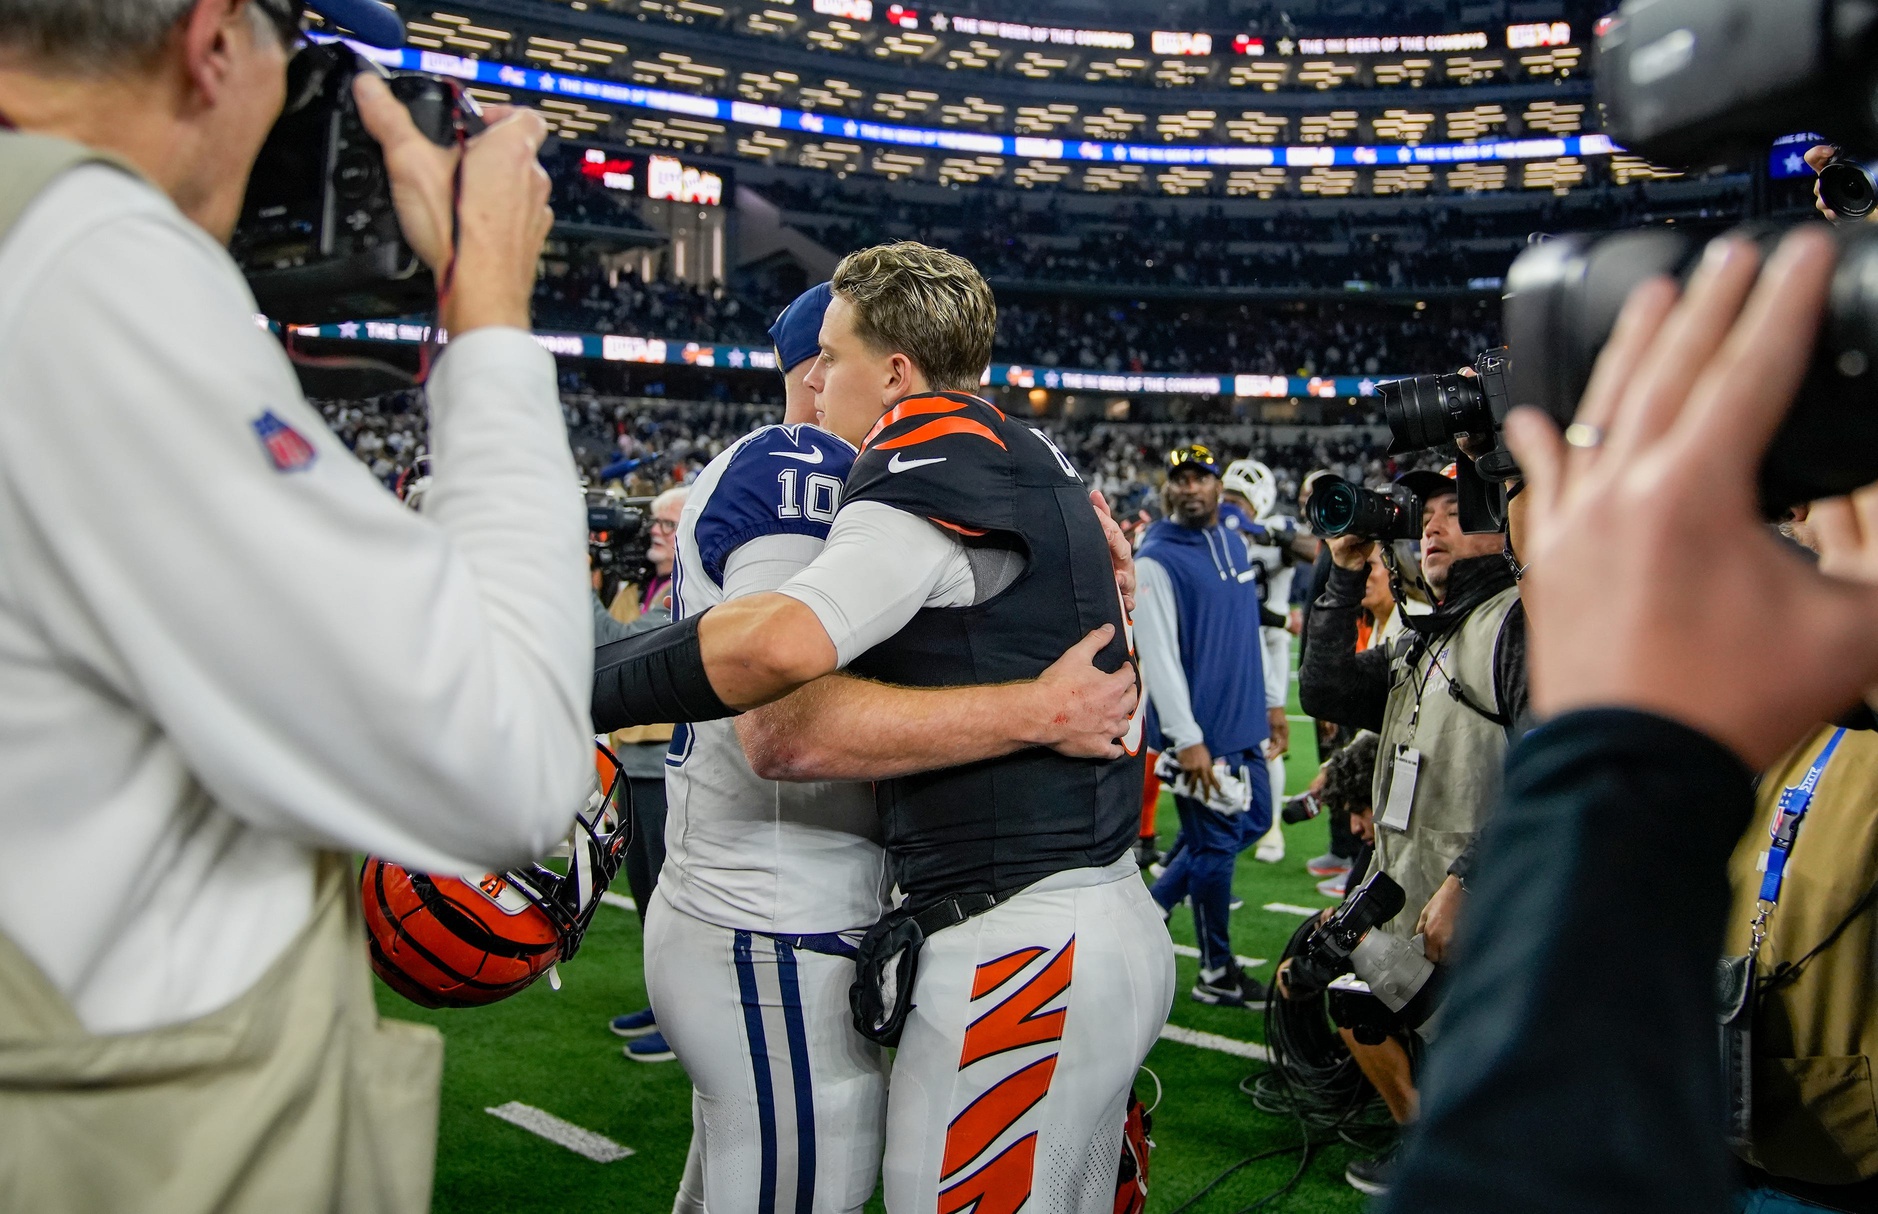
[
  {"x": 1339, "y": 507},
  {"x": 1433, "y": 410},
  {"x": 1698, "y": 82},
  {"x": 1389, "y": 968},
  {"x": 318, "y": 238}
]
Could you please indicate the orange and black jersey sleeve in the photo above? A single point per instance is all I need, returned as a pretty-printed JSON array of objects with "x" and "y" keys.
[{"x": 949, "y": 457}]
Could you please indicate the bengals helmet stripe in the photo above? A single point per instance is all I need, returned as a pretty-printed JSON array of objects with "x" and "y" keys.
[{"x": 443, "y": 941}]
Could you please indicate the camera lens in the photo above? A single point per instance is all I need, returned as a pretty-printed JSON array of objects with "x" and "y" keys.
[
  {"x": 1846, "y": 187},
  {"x": 1430, "y": 410},
  {"x": 1332, "y": 507},
  {"x": 1338, "y": 507}
]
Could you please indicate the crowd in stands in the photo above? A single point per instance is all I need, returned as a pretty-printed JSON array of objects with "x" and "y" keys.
[
  {"x": 1301, "y": 339},
  {"x": 588, "y": 298},
  {"x": 647, "y": 445},
  {"x": 1086, "y": 333}
]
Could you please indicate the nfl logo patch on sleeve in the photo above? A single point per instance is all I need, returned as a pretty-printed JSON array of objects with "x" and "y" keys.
[{"x": 289, "y": 451}]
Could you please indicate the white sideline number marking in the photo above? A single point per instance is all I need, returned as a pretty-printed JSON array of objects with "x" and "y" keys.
[
  {"x": 1187, "y": 950},
  {"x": 597, "y": 1147},
  {"x": 619, "y": 900},
  {"x": 1286, "y": 908},
  {"x": 1213, "y": 1041}
]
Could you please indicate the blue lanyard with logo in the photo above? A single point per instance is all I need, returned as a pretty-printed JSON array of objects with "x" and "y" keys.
[{"x": 1795, "y": 800}]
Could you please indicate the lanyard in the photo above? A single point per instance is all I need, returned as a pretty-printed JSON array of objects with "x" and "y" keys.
[{"x": 1795, "y": 800}]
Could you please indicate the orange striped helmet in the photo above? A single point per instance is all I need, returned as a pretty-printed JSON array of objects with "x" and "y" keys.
[{"x": 445, "y": 941}]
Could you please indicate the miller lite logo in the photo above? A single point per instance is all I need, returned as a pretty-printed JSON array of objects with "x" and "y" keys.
[{"x": 285, "y": 446}]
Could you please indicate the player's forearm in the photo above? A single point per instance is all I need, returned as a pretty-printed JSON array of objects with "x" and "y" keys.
[
  {"x": 762, "y": 647},
  {"x": 844, "y": 728}
]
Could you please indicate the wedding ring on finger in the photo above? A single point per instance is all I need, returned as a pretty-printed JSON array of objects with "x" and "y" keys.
[{"x": 1584, "y": 436}]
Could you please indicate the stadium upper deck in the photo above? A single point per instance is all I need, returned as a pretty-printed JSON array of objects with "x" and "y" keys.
[{"x": 849, "y": 86}]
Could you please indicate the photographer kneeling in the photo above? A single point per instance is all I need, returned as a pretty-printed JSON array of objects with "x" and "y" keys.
[
  {"x": 1442, "y": 700},
  {"x": 247, "y": 660}
]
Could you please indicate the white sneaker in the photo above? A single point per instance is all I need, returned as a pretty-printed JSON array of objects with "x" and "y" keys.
[{"x": 1270, "y": 849}]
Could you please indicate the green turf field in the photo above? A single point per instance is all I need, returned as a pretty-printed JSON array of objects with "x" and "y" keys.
[{"x": 552, "y": 1050}]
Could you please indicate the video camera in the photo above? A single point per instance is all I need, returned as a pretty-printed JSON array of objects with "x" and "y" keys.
[
  {"x": 618, "y": 541},
  {"x": 318, "y": 238},
  {"x": 1692, "y": 82},
  {"x": 1339, "y": 507},
  {"x": 1393, "y": 969}
]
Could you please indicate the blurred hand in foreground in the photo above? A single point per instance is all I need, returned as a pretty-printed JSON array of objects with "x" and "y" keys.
[{"x": 1654, "y": 584}]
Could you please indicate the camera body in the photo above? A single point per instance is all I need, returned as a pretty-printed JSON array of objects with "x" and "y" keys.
[
  {"x": 1345, "y": 956},
  {"x": 1694, "y": 82},
  {"x": 618, "y": 541},
  {"x": 1563, "y": 298},
  {"x": 1339, "y": 507},
  {"x": 318, "y": 237},
  {"x": 1433, "y": 410}
]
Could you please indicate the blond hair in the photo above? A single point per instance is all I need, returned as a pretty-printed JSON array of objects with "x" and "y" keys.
[{"x": 928, "y": 304}]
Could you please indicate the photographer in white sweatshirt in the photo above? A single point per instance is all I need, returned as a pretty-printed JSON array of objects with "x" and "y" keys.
[{"x": 227, "y": 656}]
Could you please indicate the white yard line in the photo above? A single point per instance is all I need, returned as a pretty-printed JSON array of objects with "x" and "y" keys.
[
  {"x": 619, "y": 900},
  {"x": 597, "y": 1147},
  {"x": 1187, "y": 950},
  {"x": 1286, "y": 908},
  {"x": 1213, "y": 1041}
]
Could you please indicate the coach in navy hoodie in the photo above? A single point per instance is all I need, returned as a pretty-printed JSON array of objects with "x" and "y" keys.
[{"x": 1197, "y": 635}]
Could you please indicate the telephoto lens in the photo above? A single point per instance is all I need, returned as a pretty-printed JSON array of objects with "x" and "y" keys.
[
  {"x": 1846, "y": 187},
  {"x": 1563, "y": 298},
  {"x": 1338, "y": 507},
  {"x": 1430, "y": 410}
]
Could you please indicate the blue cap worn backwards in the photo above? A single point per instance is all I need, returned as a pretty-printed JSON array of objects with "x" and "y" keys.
[{"x": 797, "y": 333}]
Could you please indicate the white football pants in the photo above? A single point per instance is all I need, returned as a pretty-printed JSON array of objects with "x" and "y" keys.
[
  {"x": 788, "y": 1102},
  {"x": 1029, "y": 1023}
]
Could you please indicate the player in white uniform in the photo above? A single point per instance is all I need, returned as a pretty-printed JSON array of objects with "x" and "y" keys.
[
  {"x": 1252, "y": 485},
  {"x": 767, "y": 886}
]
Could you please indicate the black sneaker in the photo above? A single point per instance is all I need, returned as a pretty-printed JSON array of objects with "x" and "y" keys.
[
  {"x": 1233, "y": 988},
  {"x": 1372, "y": 1175}
]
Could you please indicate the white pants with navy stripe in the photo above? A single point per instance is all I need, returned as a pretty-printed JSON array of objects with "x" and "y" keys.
[
  {"x": 1029, "y": 1023},
  {"x": 789, "y": 1102}
]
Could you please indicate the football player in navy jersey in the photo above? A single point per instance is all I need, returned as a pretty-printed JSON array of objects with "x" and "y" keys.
[
  {"x": 965, "y": 551},
  {"x": 767, "y": 887}
]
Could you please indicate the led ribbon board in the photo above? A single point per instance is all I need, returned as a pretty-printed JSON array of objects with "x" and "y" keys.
[{"x": 503, "y": 75}]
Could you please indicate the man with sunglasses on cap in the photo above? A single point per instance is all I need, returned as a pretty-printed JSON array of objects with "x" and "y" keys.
[
  {"x": 1197, "y": 632},
  {"x": 248, "y": 660}
]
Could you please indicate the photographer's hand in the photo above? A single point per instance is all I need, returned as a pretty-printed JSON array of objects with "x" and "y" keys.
[
  {"x": 1634, "y": 539},
  {"x": 503, "y": 205},
  {"x": 1436, "y": 923},
  {"x": 1351, "y": 551}
]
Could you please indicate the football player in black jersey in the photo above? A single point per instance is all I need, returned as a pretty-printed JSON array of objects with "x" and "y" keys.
[{"x": 966, "y": 550}]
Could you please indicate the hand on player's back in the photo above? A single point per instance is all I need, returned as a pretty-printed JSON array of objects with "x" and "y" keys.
[{"x": 1086, "y": 709}]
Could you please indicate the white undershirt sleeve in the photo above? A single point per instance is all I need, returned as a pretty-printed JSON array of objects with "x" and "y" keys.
[
  {"x": 1157, "y": 644},
  {"x": 766, "y": 562},
  {"x": 880, "y": 565}
]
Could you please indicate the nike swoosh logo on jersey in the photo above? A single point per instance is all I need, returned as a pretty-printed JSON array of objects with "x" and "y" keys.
[
  {"x": 900, "y": 463},
  {"x": 813, "y": 456}
]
